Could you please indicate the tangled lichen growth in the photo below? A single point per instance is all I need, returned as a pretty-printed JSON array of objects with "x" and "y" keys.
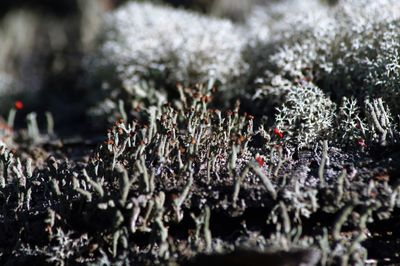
[
  {"x": 348, "y": 49},
  {"x": 179, "y": 179},
  {"x": 181, "y": 167},
  {"x": 305, "y": 115}
]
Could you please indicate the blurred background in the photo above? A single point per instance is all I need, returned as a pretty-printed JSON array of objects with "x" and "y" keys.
[{"x": 41, "y": 46}]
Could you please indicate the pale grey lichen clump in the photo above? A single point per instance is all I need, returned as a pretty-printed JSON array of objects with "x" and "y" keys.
[
  {"x": 305, "y": 115},
  {"x": 308, "y": 116},
  {"x": 146, "y": 50},
  {"x": 350, "y": 48},
  {"x": 273, "y": 27},
  {"x": 148, "y": 41},
  {"x": 269, "y": 21},
  {"x": 341, "y": 49}
]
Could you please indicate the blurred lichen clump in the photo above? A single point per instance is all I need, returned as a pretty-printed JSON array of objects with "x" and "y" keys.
[{"x": 162, "y": 46}]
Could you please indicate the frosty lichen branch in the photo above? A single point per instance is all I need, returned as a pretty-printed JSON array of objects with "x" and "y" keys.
[{"x": 305, "y": 115}]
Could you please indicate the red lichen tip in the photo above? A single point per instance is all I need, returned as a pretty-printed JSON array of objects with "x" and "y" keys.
[
  {"x": 278, "y": 133},
  {"x": 18, "y": 105},
  {"x": 260, "y": 161},
  {"x": 361, "y": 142}
]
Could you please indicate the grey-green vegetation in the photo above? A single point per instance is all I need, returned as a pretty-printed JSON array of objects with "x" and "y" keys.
[{"x": 191, "y": 171}]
